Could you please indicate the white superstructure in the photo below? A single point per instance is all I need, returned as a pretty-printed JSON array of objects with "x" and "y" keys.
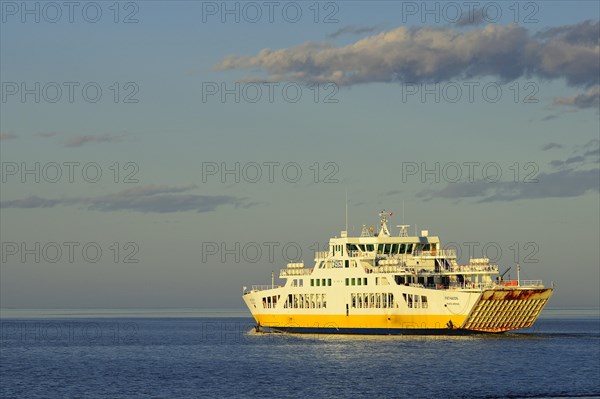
[{"x": 385, "y": 284}]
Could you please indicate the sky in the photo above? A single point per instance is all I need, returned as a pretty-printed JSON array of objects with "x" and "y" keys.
[{"x": 165, "y": 154}]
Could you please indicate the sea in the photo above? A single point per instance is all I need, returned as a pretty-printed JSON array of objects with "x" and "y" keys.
[{"x": 187, "y": 353}]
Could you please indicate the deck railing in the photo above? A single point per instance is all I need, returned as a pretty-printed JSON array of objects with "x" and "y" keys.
[
  {"x": 294, "y": 272},
  {"x": 438, "y": 253},
  {"x": 474, "y": 268},
  {"x": 531, "y": 283},
  {"x": 264, "y": 287}
]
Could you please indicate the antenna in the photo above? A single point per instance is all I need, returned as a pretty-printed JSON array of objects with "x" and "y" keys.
[
  {"x": 403, "y": 221},
  {"x": 346, "y": 211}
]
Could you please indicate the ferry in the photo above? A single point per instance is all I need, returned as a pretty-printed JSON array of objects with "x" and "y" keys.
[{"x": 379, "y": 283}]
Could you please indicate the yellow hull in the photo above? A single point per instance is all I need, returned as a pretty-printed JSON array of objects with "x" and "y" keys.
[{"x": 312, "y": 321}]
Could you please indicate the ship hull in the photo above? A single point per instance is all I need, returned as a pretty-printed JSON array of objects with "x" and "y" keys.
[{"x": 449, "y": 313}]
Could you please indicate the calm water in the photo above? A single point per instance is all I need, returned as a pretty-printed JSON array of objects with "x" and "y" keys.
[{"x": 208, "y": 357}]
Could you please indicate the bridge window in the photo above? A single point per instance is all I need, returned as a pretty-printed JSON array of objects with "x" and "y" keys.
[
  {"x": 370, "y": 247},
  {"x": 394, "y": 249},
  {"x": 402, "y": 248},
  {"x": 409, "y": 248}
]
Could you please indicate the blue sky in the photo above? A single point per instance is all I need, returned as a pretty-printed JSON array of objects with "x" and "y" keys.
[{"x": 370, "y": 127}]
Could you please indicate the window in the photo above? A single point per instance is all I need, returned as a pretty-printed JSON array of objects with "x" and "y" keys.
[
  {"x": 318, "y": 281},
  {"x": 380, "y": 249},
  {"x": 424, "y": 301},
  {"x": 312, "y": 282},
  {"x": 323, "y": 282},
  {"x": 364, "y": 281},
  {"x": 358, "y": 282},
  {"x": 402, "y": 248},
  {"x": 347, "y": 281},
  {"x": 394, "y": 249},
  {"x": 353, "y": 281},
  {"x": 329, "y": 282},
  {"x": 370, "y": 247},
  {"x": 409, "y": 248},
  {"x": 387, "y": 248},
  {"x": 300, "y": 282}
]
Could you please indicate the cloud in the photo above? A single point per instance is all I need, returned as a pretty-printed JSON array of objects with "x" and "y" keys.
[
  {"x": 353, "y": 29},
  {"x": 559, "y": 184},
  {"x": 588, "y": 99},
  {"x": 574, "y": 176},
  {"x": 79, "y": 141},
  {"x": 7, "y": 136},
  {"x": 474, "y": 18},
  {"x": 393, "y": 192},
  {"x": 425, "y": 54},
  {"x": 585, "y": 32},
  {"x": 550, "y": 146},
  {"x": 46, "y": 135},
  {"x": 145, "y": 199}
]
